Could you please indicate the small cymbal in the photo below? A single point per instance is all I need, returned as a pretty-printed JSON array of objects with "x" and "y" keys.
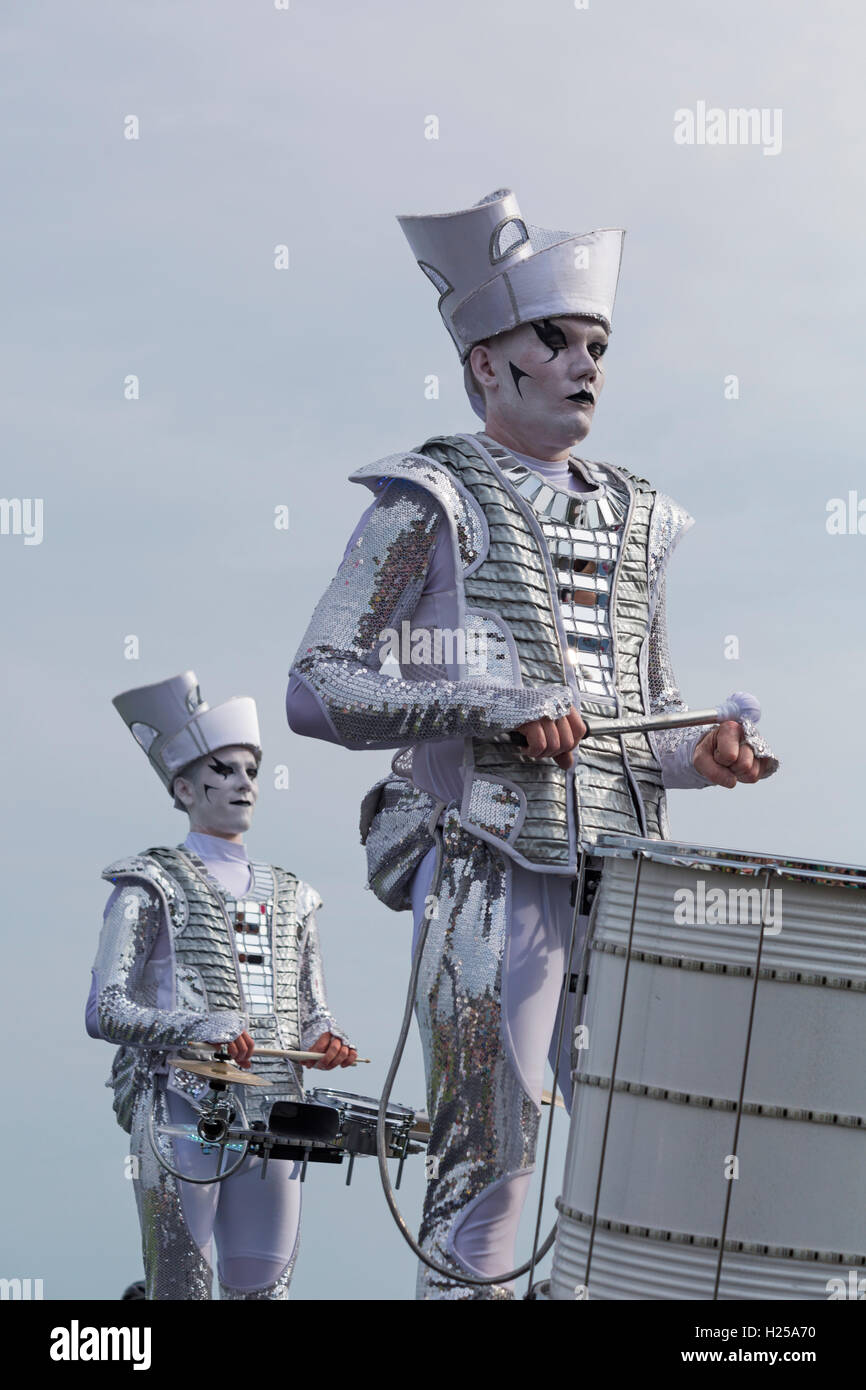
[{"x": 219, "y": 1071}]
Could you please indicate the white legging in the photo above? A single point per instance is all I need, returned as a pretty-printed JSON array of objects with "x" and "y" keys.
[
  {"x": 255, "y": 1221},
  {"x": 534, "y": 962}
]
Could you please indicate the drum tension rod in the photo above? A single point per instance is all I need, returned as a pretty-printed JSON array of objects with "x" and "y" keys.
[
  {"x": 350, "y": 1169},
  {"x": 591, "y": 881},
  {"x": 403, "y": 1153}
]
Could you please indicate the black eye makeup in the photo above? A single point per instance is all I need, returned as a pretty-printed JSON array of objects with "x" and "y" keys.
[
  {"x": 222, "y": 768},
  {"x": 551, "y": 335}
]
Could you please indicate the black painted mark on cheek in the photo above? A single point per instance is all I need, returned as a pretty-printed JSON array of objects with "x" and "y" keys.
[{"x": 517, "y": 373}]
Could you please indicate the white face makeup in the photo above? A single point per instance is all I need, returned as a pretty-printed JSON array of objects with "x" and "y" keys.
[
  {"x": 220, "y": 792},
  {"x": 541, "y": 383}
]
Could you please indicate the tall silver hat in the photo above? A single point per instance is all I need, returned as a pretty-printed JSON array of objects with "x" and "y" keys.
[
  {"x": 494, "y": 271},
  {"x": 175, "y": 726}
]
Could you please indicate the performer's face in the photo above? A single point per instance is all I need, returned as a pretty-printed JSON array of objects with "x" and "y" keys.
[
  {"x": 542, "y": 380},
  {"x": 219, "y": 792}
]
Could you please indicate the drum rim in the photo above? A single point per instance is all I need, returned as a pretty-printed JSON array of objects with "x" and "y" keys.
[
  {"x": 685, "y": 855},
  {"x": 342, "y": 1100}
]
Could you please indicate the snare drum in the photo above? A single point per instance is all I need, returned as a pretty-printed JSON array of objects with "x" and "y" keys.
[
  {"x": 718, "y": 1131},
  {"x": 357, "y": 1128}
]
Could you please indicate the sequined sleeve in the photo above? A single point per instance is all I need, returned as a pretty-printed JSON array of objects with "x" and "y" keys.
[
  {"x": 315, "y": 1016},
  {"x": 126, "y": 983},
  {"x": 377, "y": 586},
  {"x": 675, "y": 748}
]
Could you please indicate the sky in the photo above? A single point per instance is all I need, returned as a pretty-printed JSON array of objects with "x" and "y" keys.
[{"x": 152, "y": 259}]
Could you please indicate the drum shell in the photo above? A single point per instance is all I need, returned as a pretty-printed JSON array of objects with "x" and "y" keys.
[{"x": 802, "y": 1176}]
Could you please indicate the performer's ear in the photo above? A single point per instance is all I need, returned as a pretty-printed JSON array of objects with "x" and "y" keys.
[
  {"x": 481, "y": 366},
  {"x": 183, "y": 792}
]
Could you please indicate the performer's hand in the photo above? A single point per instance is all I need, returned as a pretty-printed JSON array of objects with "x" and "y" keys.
[
  {"x": 724, "y": 757},
  {"x": 548, "y": 738},
  {"x": 335, "y": 1053},
  {"x": 240, "y": 1051}
]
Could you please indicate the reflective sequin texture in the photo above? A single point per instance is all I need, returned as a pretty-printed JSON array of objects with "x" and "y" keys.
[
  {"x": 396, "y": 834},
  {"x": 173, "y": 1263},
  {"x": 376, "y": 587},
  {"x": 484, "y": 1126},
  {"x": 283, "y": 1005},
  {"x": 494, "y": 807}
]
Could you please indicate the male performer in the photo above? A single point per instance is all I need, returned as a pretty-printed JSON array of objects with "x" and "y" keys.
[
  {"x": 201, "y": 945},
  {"x": 552, "y": 572}
]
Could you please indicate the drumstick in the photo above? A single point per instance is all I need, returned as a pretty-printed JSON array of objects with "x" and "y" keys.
[
  {"x": 545, "y": 1099},
  {"x": 740, "y": 706},
  {"x": 291, "y": 1054}
]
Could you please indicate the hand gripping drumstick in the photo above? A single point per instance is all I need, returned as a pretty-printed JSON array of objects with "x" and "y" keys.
[
  {"x": 291, "y": 1054},
  {"x": 739, "y": 706}
]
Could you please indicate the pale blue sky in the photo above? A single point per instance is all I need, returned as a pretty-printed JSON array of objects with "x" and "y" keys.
[{"x": 154, "y": 257}]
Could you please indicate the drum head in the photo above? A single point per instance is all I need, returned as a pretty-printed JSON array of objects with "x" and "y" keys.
[{"x": 362, "y": 1107}]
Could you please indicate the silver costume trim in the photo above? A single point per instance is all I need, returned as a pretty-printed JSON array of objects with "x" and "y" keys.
[
  {"x": 174, "y": 1266},
  {"x": 315, "y": 1017},
  {"x": 376, "y": 587},
  {"x": 252, "y": 916},
  {"x": 484, "y": 1125},
  {"x": 395, "y": 831},
  {"x": 209, "y": 1004},
  {"x": 535, "y": 529},
  {"x": 289, "y": 1009}
]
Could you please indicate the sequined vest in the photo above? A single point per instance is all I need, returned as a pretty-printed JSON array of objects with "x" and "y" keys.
[
  {"x": 208, "y": 974},
  {"x": 512, "y": 586}
]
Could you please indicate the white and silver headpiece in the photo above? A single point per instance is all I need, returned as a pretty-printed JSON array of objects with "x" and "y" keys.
[
  {"x": 494, "y": 271},
  {"x": 175, "y": 726}
]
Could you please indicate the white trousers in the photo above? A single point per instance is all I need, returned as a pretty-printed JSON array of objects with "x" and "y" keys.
[{"x": 254, "y": 1221}]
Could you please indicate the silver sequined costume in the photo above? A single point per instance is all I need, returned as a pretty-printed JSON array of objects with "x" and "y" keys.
[
  {"x": 181, "y": 960},
  {"x": 569, "y": 592}
]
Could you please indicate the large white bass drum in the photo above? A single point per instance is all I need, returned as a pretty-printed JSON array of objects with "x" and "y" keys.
[{"x": 718, "y": 1130}]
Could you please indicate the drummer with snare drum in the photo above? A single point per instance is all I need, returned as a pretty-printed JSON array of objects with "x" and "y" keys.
[{"x": 201, "y": 945}]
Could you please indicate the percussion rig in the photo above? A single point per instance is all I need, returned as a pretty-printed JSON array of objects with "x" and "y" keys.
[
  {"x": 325, "y": 1127},
  {"x": 740, "y": 707}
]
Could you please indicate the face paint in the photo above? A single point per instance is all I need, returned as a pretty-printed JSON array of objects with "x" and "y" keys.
[
  {"x": 517, "y": 374},
  {"x": 553, "y": 367},
  {"x": 223, "y": 787},
  {"x": 551, "y": 335}
]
